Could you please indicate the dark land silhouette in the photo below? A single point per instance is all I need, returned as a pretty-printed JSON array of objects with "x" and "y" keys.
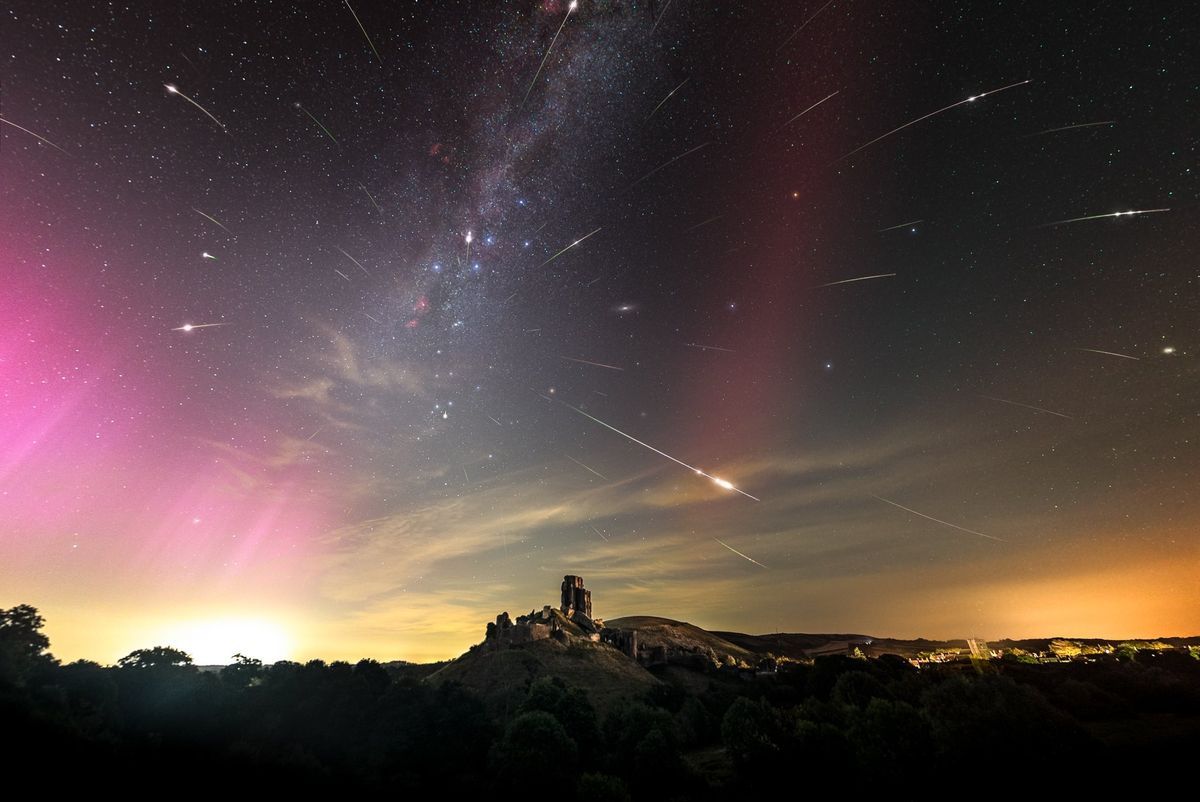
[{"x": 569, "y": 716}]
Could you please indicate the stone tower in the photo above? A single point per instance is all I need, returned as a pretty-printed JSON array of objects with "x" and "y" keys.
[{"x": 575, "y": 597}]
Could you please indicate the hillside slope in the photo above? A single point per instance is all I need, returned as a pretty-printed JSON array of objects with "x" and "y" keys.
[
  {"x": 503, "y": 676},
  {"x": 680, "y": 638}
]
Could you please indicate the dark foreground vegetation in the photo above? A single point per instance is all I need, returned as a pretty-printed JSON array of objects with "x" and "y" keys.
[{"x": 840, "y": 722}]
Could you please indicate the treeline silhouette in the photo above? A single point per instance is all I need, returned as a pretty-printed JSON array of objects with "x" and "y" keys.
[{"x": 339, "y": 728}]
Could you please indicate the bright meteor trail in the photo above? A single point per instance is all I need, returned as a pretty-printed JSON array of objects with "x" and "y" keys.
[
  {"x": 175, "y": 91},
  {"x": 715, "y": 479},
  {"x": 570, "y": 10},
  {"x": 586, "y": 468},
  {"x": 738, "y": 553},
  {"x": 352, "y": 259},
  {"x": 1129, "y": 213},
  {"x": 35, "y": 136},
  {"x": 589, "y": 362},
  {"x": 368, "y": 194},
  {"x": 1109, "y": 353},
  {"x": 319, "y": 123},
  {"x": 971, "y": 99},
  {"x": 193, "y": 326},
  {"x": 810, "y": 19},
  {"x": 364, "y": 31},
  {"x": 899, "y": 225},
  {"x": 214, "y": 221},
  {"x": 938, "y": 520},
  {"x": 860, "y": 278},
  {"x": 569, "y": 247},
  {"x": 810, "y": 108},
  {"x": 668, "y": 97}
]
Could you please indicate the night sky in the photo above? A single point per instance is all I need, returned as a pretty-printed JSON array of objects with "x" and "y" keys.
[{"x": 259, "y": 393}]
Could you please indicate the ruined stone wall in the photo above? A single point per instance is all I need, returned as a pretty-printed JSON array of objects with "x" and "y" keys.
[
  {"x": 504, "y": 632},
  {"x": 624, "y": 640}
]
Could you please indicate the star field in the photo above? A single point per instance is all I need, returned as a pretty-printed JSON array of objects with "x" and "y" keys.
[{"x": 373, "y": 319}]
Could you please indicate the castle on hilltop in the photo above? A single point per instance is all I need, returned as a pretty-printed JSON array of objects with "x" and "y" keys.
[
  {"x": 571, "y": 621},
  {"x": 575, "y": 597}
]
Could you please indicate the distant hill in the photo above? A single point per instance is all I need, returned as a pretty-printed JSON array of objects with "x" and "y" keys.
[{"x": 679, "y": 638}]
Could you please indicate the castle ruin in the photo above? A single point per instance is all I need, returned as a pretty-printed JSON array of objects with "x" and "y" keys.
[
  {"x": 572, "y": 620},
  {"x": 575, "y": 597}
]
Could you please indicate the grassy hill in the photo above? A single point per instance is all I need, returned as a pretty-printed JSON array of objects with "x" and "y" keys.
[{"x": 502, "y": 677}]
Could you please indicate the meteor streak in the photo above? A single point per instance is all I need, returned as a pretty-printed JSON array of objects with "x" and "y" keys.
[
  {"x": 939, "y": 521},
  {"x": 1071, "y": 128},
  {"x": 715, "y": 479},
  {"x": 810, "y": 19},
  {"x": 703, "y": 223},
  {"x": 1026, "y": 406},
  {"x": 373, "y": 318},
  {"x": 810, "y": 108},
  {"x": 38, "y": 137},
  {"x": 340, "y": 273},
  {"x": 368, "y": 194},
  {"x": 971, "y": 99},
  {"x": 668, "y": 97},
  {"x": 207, "y": 255},
  {"x": 1129, "y": 213},
  {"x": 666, "y": 164},
  {"x": 364, "y": 30},
  {"x": 175, "y": 91},
  {"x": 570, "y": 10},
  {"x": 193, "y": 326},
  {"x": 215, "y": 221},
  {"x": 569, "y": 247},
  {"x": 1109, "y": 353},
  {"x": 352, "y": 259},
  {"x": 319, "y": 124},
  {"x": 710, "y": 348},
  {"x": 660, "y": 16},
  {"x": 860, "y": 278},
  {"x": 598, "y": 532},
  {"x": 738, "y": 553},
  {"x": 586, "y": 468},
  {"x": 588, "y": 362},
  {"x": 900, "y": 225}
]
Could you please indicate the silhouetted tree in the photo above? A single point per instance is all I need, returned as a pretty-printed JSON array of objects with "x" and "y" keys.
[
  {"x": 572, "y": 709},
  {"x": 891, "y": 741},
  {"x": 535, "y": 752},
  {"x": 242, "y": 672},
  {"x": 751, "y": 732},
  {"x": 625, "y": 727},
  {"x": 990, "y": 720},
  {"x": 373, "y": 676},
  {"x": 156, "y": 657},
  {"x": 23, "y": 645}
]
